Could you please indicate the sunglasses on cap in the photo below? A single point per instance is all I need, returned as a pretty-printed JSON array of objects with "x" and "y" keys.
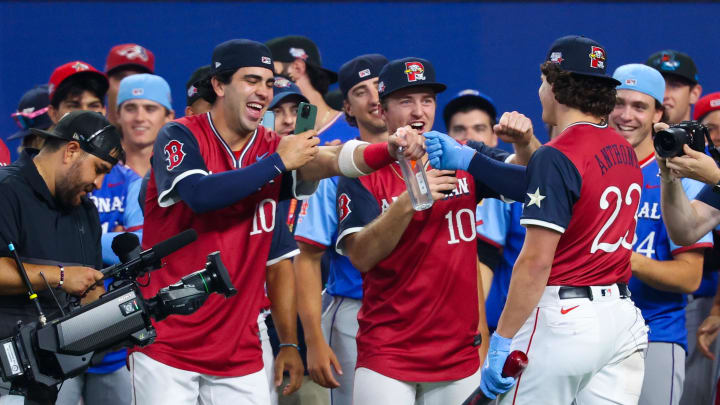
[{"x": 25, "y": 120}]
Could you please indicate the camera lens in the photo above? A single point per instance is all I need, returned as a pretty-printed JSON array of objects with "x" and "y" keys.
[
  {"x": 306, "y": 111},
  {"x": 669, "y": 142}
]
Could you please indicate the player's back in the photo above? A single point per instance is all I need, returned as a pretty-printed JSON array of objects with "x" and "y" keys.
[{"x": 603, "y": 184}]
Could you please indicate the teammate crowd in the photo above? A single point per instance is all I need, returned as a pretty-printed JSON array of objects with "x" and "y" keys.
[{"x": 590, "y": 253}]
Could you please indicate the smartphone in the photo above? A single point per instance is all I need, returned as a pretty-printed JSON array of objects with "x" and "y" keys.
[
  {"x": 268, "y": 120},
  {"x": 305, "y": 117}
]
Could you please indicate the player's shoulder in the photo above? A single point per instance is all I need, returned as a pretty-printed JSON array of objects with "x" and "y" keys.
[{"x": 121, "y": 171}]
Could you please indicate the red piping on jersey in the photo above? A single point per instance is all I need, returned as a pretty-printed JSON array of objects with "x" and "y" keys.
[
  {"x": 490, "y": 242},
  {"x": 644, "y": 162},
  {"x": 329, "y": 124},
  {"x": 139, "y": 227},
  {"x": 517, "y": 386},
  {"x": 703, "y": 245},
  {"x": 310, "y": 242}
]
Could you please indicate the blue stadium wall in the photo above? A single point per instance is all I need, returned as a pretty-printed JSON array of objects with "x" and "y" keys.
[{"x": 495, "y": 47}]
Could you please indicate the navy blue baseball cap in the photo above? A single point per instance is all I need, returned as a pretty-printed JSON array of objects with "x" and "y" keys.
[
  {"x": 284, "y": 88},
  {"x": 469, "y": 97},
  {"x": 675, "y": 63},
  {"x": 32, "y": 111},
  {"x": 239, "y": 53},
  {"x": 407, "y": 72},
  {"x": 580, "y": 55},
  {"x": 359, "y": 69},
  {"x": 291, "y": 47}
]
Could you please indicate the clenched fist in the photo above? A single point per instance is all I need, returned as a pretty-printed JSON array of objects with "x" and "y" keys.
[
  {"x": 514, "y": 127},
  {"x": 296, "y": 150}
]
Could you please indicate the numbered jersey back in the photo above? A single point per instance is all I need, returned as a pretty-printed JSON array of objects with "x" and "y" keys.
[{"x": 591, "y": 182}]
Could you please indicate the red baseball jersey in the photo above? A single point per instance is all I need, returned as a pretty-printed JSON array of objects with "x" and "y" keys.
[
  {"x": 4, "y": 154},
  {"x": 586, "y": 184},
  {"x": 221, "y": 338},
  {"x": 419, "y": 311}
]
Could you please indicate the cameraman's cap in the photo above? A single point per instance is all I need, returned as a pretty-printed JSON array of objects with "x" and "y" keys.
[
  {"x": 580, "y": 55},
  {"x": 407, "y": 72},
  {"x": 705, "y": 106},
  {"x": 91, "y": 130},
  {"x": 129, "y": 56},
  {"x": 284, "y": 88},
  {"x": 194, "y": 90},
  {"x": 287, "y": 49},
  {"x": 642, "y": 78},
  {"x": 239, "y": 53},
  {"x": 146, "y": 87},
  {"x": 670, "y": 62},
  {"x": 469, "y": 97},
  {"x": 359, "y": 69},
  {"x": 32, "y": 111},
  {"x": 76, "y": 69}
]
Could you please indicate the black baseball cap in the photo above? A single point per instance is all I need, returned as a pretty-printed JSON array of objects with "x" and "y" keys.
[
  {"x": 407, "y": 72},
  {"x": 291, "y": 47},
  {"x": 580, "y": 55},
  {"x": 94, "y": 133},
  {"x": 194, "y": 90},
  {"x": 239, "y": 53},
  {"x": 359, "y": 69},
  {"x": 32, "y": 111},
  {"x": 469, "y": 97},
  {"x": 671, "y": 62}
]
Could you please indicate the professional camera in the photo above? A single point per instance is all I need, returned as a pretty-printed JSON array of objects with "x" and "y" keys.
[
  {"x": 669, "y": 142},
  {"x": 63, "y": 348}
]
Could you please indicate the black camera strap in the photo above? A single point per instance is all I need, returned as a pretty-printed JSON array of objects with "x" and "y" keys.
[{"x": 711, "y": 148}]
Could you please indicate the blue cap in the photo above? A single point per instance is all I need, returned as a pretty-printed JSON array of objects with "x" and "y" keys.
[
  {"x": 146, "y": 87},
  {"x": 359, "y": 69},
  {"x": 469, "y": 97},
  {"x": 32, "y": 111},
  {"x": 642, "y": 78},
  {"x": 284, "y": 88},
  {"x": 407, "y": 72}
]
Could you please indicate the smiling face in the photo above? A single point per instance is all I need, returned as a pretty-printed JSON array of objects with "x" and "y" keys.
[
  {"x": 633, "y": 116},
  {"x": 245, "y": 99},
  {"x": 141, "y": 120},
  {"x": 286, "y": 115},
  {"x": 363, "y": 103},
  {"x": 414, "y": 106}
]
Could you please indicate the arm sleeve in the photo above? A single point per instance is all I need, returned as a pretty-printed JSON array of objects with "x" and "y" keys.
[
  {"x": 496, "y": 177},
  {"x": 283, "y": 245},
  {"x": 493, "y": 153},
  {"x": 553, "y": 186},
  {"x": 317, "y": 224},
  {"x": 356, "y": 207}
]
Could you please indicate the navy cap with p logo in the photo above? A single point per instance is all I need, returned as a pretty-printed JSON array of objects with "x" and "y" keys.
[
  {"x": 580, "y": 55},
  {"x": 407, "y": 72}
]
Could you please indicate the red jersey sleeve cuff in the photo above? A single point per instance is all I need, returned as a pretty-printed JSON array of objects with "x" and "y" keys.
[
  {"x": 310, "y": 242},
  {"x": 703, "y": 245},
  {"x": 489, "y": 242}
]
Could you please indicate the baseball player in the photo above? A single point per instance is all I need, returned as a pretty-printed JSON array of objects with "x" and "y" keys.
[
  {"x": 663, "y": 272},
  {"x": 330, "y": 335},
  {"x": 199, "y": 98},
  {"x": 32, "y": 113},
  {"x": 419, "y": 322},
  {"x": 223, "y": 174},
  {"x": 682, "y": 88},
  {"x": 568, "y": 305},
  {"x": 122, "y": 61}
]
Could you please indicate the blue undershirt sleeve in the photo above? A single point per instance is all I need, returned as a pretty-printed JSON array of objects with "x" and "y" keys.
[{"x": 505, "y": 179}]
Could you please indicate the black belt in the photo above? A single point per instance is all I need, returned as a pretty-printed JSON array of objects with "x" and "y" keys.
[{"x": 586, "y": 292}]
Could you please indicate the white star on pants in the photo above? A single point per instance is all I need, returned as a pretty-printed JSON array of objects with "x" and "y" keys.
[{"x": 535, "y": 198}]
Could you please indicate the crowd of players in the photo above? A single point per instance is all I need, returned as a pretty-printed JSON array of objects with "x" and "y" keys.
[{"x": 352, "y": 260}]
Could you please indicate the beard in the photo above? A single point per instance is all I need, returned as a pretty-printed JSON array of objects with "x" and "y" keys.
[{"x": 68, "y": 188}]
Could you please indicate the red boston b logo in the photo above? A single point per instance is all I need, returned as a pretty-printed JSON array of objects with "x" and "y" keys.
[
  {"x": 343, "y": 207},
  {"x": 174, "y": 154}
]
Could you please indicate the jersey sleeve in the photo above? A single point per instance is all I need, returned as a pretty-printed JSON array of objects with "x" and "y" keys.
[
  {"x": 493, "y": 153},
  {"x": 176, "y": 155},
  {"x": 295, "y": 187},
  {"x": 553, "y": 186},
  {"x": 492, "y": 221},
  {"x": 318, "y": 223},
  {"x": 283, "y": 245},
  {"x": 692, "y": 188},
  {"x": 356, "y": 207}
]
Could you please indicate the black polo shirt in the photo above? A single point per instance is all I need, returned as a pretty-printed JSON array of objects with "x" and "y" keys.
[{"x": 43, "y": 233}]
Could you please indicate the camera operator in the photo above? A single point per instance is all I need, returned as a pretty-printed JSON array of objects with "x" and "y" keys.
[{"x": 44, "y": 211}]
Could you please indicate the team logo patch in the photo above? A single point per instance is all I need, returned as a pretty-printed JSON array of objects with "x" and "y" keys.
[
  {"x": 415, "y": 71},
  {"x": 343, "y": 206},
  {"x": 134, "y": 52},
  {"x": 668, "y": 62},
  {"x": 298, "y": 53},
  {"x": 364, "y": 73},
  {"x": 266, "y": 60},
  {"x": 192, "y": 90},
  {"x": 30, "y": 110},
  {"x": 631, "y": 82},
  {"x": 79, "y": 67},
  {"x": 217, "y": 65},
  {"x": 138, "y": 92},
  {"x": 282, "y": 82},
  {"x": 174, "y": 154},
  {"x": 469, "y": 92},
  {"x": 381, "y": 87},
  {"x": 556, "y": 57},
  {"x": 597, "y": 57},
  {"x": 715, "y": 103}
]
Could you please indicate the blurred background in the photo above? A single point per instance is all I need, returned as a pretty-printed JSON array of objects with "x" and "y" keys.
[{"x": 494, "y": 47}]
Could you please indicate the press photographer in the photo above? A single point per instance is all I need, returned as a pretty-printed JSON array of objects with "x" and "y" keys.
[{"x": 54, "y": 227}]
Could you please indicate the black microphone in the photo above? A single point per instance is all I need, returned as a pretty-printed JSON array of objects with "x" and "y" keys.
[
  {"x": 126, "y": 246},
  {"x": 138, "y": 262}
]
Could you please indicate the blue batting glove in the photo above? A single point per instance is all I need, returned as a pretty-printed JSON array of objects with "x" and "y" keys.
[
  {"x": 446, "y": 153},
  {"x": 492, "y": 383}
]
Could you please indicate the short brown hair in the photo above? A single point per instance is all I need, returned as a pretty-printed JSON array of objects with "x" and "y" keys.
[{"x": 592, "y": 95}]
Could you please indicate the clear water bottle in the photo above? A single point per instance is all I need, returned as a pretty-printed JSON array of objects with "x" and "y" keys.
[{"x": 416, "y": 182}]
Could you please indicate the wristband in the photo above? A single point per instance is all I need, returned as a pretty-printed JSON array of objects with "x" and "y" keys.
[
  {"x": 346, "y": 159},
  {"x": 62, "y": 275},
  {"x": 377, "y": 155},
  {"x": 289, "y": 345}
]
